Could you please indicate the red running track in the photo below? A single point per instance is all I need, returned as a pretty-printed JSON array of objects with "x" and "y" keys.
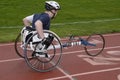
[{"x": 75, "y": 64}]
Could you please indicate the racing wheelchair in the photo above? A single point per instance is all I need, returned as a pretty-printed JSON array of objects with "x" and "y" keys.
[{"x": 43, "y": 57}]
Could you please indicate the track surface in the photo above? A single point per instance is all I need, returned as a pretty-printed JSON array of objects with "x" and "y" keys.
[{"x": 75, "y": 64}]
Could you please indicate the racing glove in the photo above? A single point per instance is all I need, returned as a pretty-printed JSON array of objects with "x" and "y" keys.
[{"x": 47, "y": 41}]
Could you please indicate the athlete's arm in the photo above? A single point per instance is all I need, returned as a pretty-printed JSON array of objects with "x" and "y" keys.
[
  {"x": 39, "y": 28},
  {"x": 28, "y": 20}
]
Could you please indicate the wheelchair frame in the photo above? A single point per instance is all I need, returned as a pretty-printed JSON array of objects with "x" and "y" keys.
[{"x": 42, "y": 64}]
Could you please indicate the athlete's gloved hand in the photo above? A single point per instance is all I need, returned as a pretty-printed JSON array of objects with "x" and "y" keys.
[
  {"x": 47, "y": 41},
  {"x": 29, "y": 28}
]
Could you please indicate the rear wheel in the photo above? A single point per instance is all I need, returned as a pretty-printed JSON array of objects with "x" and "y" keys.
[
  {"x": 44, "y": 64},
  {"x": 19, "y": 46}
]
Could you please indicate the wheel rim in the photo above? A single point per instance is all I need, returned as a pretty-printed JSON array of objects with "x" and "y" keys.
[
  {"x": 43, "y": 64},
  {"x": 99, "y": 41}
]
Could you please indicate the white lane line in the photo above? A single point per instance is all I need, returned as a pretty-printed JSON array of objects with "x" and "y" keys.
[
  {"x": 114, "y": 52},
  {"x": 86, "y": 22},
  {"x": 6, "y": 44},
  {"x": 71, "y": 23},
  {"x": 86, "y": 73},
  {"x": 65, "y": 53},
  {"x": 105, "y": 35},
  {"x": 90, "y": 50},
  {"x": 10, "y": 60},
  {"x": 118, "y": 77},
  {"x": 65, "y": 73}
]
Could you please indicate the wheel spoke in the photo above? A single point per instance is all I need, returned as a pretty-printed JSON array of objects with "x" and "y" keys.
[{"x": 43, "y": 64}]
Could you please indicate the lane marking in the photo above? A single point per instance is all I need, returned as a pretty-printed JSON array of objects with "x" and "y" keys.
[
  {"x": 105, "y": 35},
  {"x": 65, "y": 53},
  {"x": 86, "y": 22},
  {"x": 71, "y": 23},
  {"x": 60, "y": 69},
  {"x": 99, "y": 60},
  {"x": 65, "y": 73},
  {"x": 117, "y": 53},
  {"x": 86, "y": 73},
  {"x": 95, "y": 41},
  {"x": 102, "y": 60},
  {"x": 90, "y": 50},
  {"x": 118, "y": 77},
  {"x": 8, "y": 44},
  {"x": 10, "y": 60}
]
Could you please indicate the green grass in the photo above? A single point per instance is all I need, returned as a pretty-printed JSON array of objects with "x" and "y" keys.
[
  {"x": 13, "y": 11},
  {"x": 88, "y": 28},
  {"x": 8, "y": 35}
]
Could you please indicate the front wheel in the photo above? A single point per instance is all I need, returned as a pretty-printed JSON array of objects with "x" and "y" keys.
[{"x": 98, "y": 44}]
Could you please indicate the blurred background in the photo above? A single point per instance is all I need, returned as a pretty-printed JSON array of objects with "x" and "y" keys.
[{"x": 78, "y": 17}]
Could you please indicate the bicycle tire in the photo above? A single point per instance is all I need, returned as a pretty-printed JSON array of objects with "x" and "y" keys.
[
  {"x": 99, "y": 42},
  {"x": 42, "y": 64},
  {"x": 17, "y": 46}
]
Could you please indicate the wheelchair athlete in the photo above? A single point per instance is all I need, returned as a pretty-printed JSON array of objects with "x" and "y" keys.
[{"x": 41, "y": 21}]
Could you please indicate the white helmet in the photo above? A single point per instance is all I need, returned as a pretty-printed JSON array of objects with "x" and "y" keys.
[{"x": 50, "y": 5}]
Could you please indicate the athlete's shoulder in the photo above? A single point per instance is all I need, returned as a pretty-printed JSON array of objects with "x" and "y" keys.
[
  {"x": 44, "y": 14},
  {"x": 40, "y": 14}
]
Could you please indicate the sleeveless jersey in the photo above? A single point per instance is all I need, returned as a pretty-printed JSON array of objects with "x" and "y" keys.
[{"x": 44, "y": 18}]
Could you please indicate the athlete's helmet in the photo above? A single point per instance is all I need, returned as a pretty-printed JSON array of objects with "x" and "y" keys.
[{"x": 52, "y": 5}]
